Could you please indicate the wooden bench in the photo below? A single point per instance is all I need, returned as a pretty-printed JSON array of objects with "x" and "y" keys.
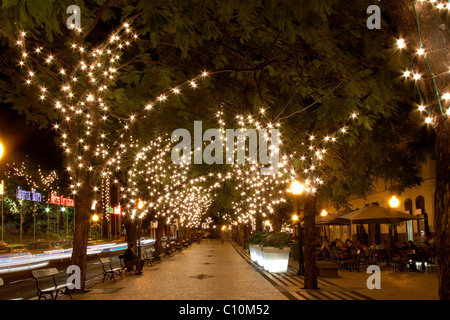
[
  {"x": 41, "y": 274},
  {"x": 168, "y": 250},
  {"x": 327, "y": 269},
  {"x": 157, "y": 258},
  {"x": 124, "y": 266},
  {"x": 177, "y": 245},
  {"x": 148, "y": 258},
  {"x": 108, "y": 270}
]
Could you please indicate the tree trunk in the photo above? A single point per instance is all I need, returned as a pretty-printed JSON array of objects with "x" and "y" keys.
[
  {"x": 277, "y": 220},
  {"x": 309, "y": 242},
  {"x": 159, "y": 234},
  {"x": 181, "y": 233},
  {"x": 435, "y": 37},
  {"x": 131, "y": 229},
  {"x": 81, "y": 232},
  {"x": 259, "y": 222}
]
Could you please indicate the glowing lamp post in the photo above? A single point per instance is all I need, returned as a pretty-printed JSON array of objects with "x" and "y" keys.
[
  {"x": 2, "y": 186},
  {"x": 140, "y": 207},
  {"x": 394, "y": 203},
  {"x": 297, "y": 189},
  {"x": 267, "y": 224},
  {"x": 95, "y": 219}
]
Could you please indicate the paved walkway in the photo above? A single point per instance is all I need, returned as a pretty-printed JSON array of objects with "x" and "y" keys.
[{"x": 215, "y": 271}]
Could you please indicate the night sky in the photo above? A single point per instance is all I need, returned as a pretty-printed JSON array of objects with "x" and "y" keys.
[{"x": 21, "y": 139}]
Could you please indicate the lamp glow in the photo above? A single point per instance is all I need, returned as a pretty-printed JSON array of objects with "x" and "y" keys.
[
  {"x": 296, "y": 187},
  {"x": 394, "y": 202},
  {"x": 324, "y": 213}
]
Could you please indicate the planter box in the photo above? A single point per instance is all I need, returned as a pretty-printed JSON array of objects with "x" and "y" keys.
[
  {"x": 327, "y": 269},
  {"x": 254, "y": 252},
  {"x": 275, "y": 259}
]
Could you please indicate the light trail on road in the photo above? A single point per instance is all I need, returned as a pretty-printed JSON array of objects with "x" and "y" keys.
[{"x": 17, "y": 263}]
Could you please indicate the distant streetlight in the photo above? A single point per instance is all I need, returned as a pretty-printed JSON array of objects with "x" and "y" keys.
[
  {"x": 297, "y": 189},
  {"x": 324, "y": 213},
  {"x": 267, "y": 224},
  {"x": 140, "y": 206},
  {"x": 394, "y": 203},
  {"x": 47, "y": 210},
  {"x": 2, "y": 192},
  {"x": 2, "y": 187}
]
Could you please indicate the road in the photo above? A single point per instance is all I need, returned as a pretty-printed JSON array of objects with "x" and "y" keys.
[{"x": 21, "y": 286}]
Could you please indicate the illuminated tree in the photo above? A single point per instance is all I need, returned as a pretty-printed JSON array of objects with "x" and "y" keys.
[{"x": 423, "y": 38}]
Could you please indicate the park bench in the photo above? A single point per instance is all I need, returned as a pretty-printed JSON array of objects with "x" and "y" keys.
[
  {"x": 108, "y": 270},
  {"x": 168, "y": 250},
  {"x": 148, "y": 258},
  {"x": 176, "y": 245},
  {"x": 156, "y": 257},
  {"x": 125, "y": 266},
  {"x": 327, "y": 269},
  {"x": 40, "y": 275}
]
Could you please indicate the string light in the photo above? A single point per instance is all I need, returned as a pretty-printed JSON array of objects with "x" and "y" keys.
[{"x": 422, "y": 53}]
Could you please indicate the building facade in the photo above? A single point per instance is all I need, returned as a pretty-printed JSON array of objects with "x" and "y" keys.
[{"x": 415, "y": 201}]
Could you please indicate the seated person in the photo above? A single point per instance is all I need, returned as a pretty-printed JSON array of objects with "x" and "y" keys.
[
  {"x": 411, "y": 245},
  {"x": 399, "y": 255},
  {"x": 130, "y": 259},
  {"x": 381, "y": 246}
]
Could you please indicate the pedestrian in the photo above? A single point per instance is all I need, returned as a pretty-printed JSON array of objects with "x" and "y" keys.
[{"x": 131, "y": 259}]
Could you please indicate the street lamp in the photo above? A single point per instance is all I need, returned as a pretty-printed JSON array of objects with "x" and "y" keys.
[
  {"x": 394, "y": 203},
  {"x": 297, "y": 189},
  {"x": 267, "y": 224},
  {"x": 2, "y": 187},
  {"x": 140, "y": 206},
  {"x": 2, "y": 192}
]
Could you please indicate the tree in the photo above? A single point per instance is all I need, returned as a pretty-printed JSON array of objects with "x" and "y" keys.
[
  {"x": 77, "y": 83},
  {"x": 422, "y": 26},
  {"x": 307, "y": 64}
]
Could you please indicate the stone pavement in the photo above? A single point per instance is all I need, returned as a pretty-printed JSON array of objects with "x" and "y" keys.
[{"x": 214, "y": 270}]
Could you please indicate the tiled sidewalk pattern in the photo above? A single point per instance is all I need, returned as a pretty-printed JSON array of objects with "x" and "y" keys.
[{"x": 214, "y": 270}]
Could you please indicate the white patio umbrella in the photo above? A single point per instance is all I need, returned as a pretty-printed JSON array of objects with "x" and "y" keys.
[
  {"x": 333, "y": 219},
  {"x": 374, "y": 214}
]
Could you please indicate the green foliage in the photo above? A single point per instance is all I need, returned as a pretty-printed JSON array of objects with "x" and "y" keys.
[
  {"x": 276, "y": 239},
  {"x": 255, "y": 238},
  {"x": 309, "y": 63},
  {"x": 269, "y": 239}
]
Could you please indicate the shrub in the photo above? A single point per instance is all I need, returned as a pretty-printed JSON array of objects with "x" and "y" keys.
[
  {"x": 276, "y": 239},
  {"x": 255, "y": 238}
]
